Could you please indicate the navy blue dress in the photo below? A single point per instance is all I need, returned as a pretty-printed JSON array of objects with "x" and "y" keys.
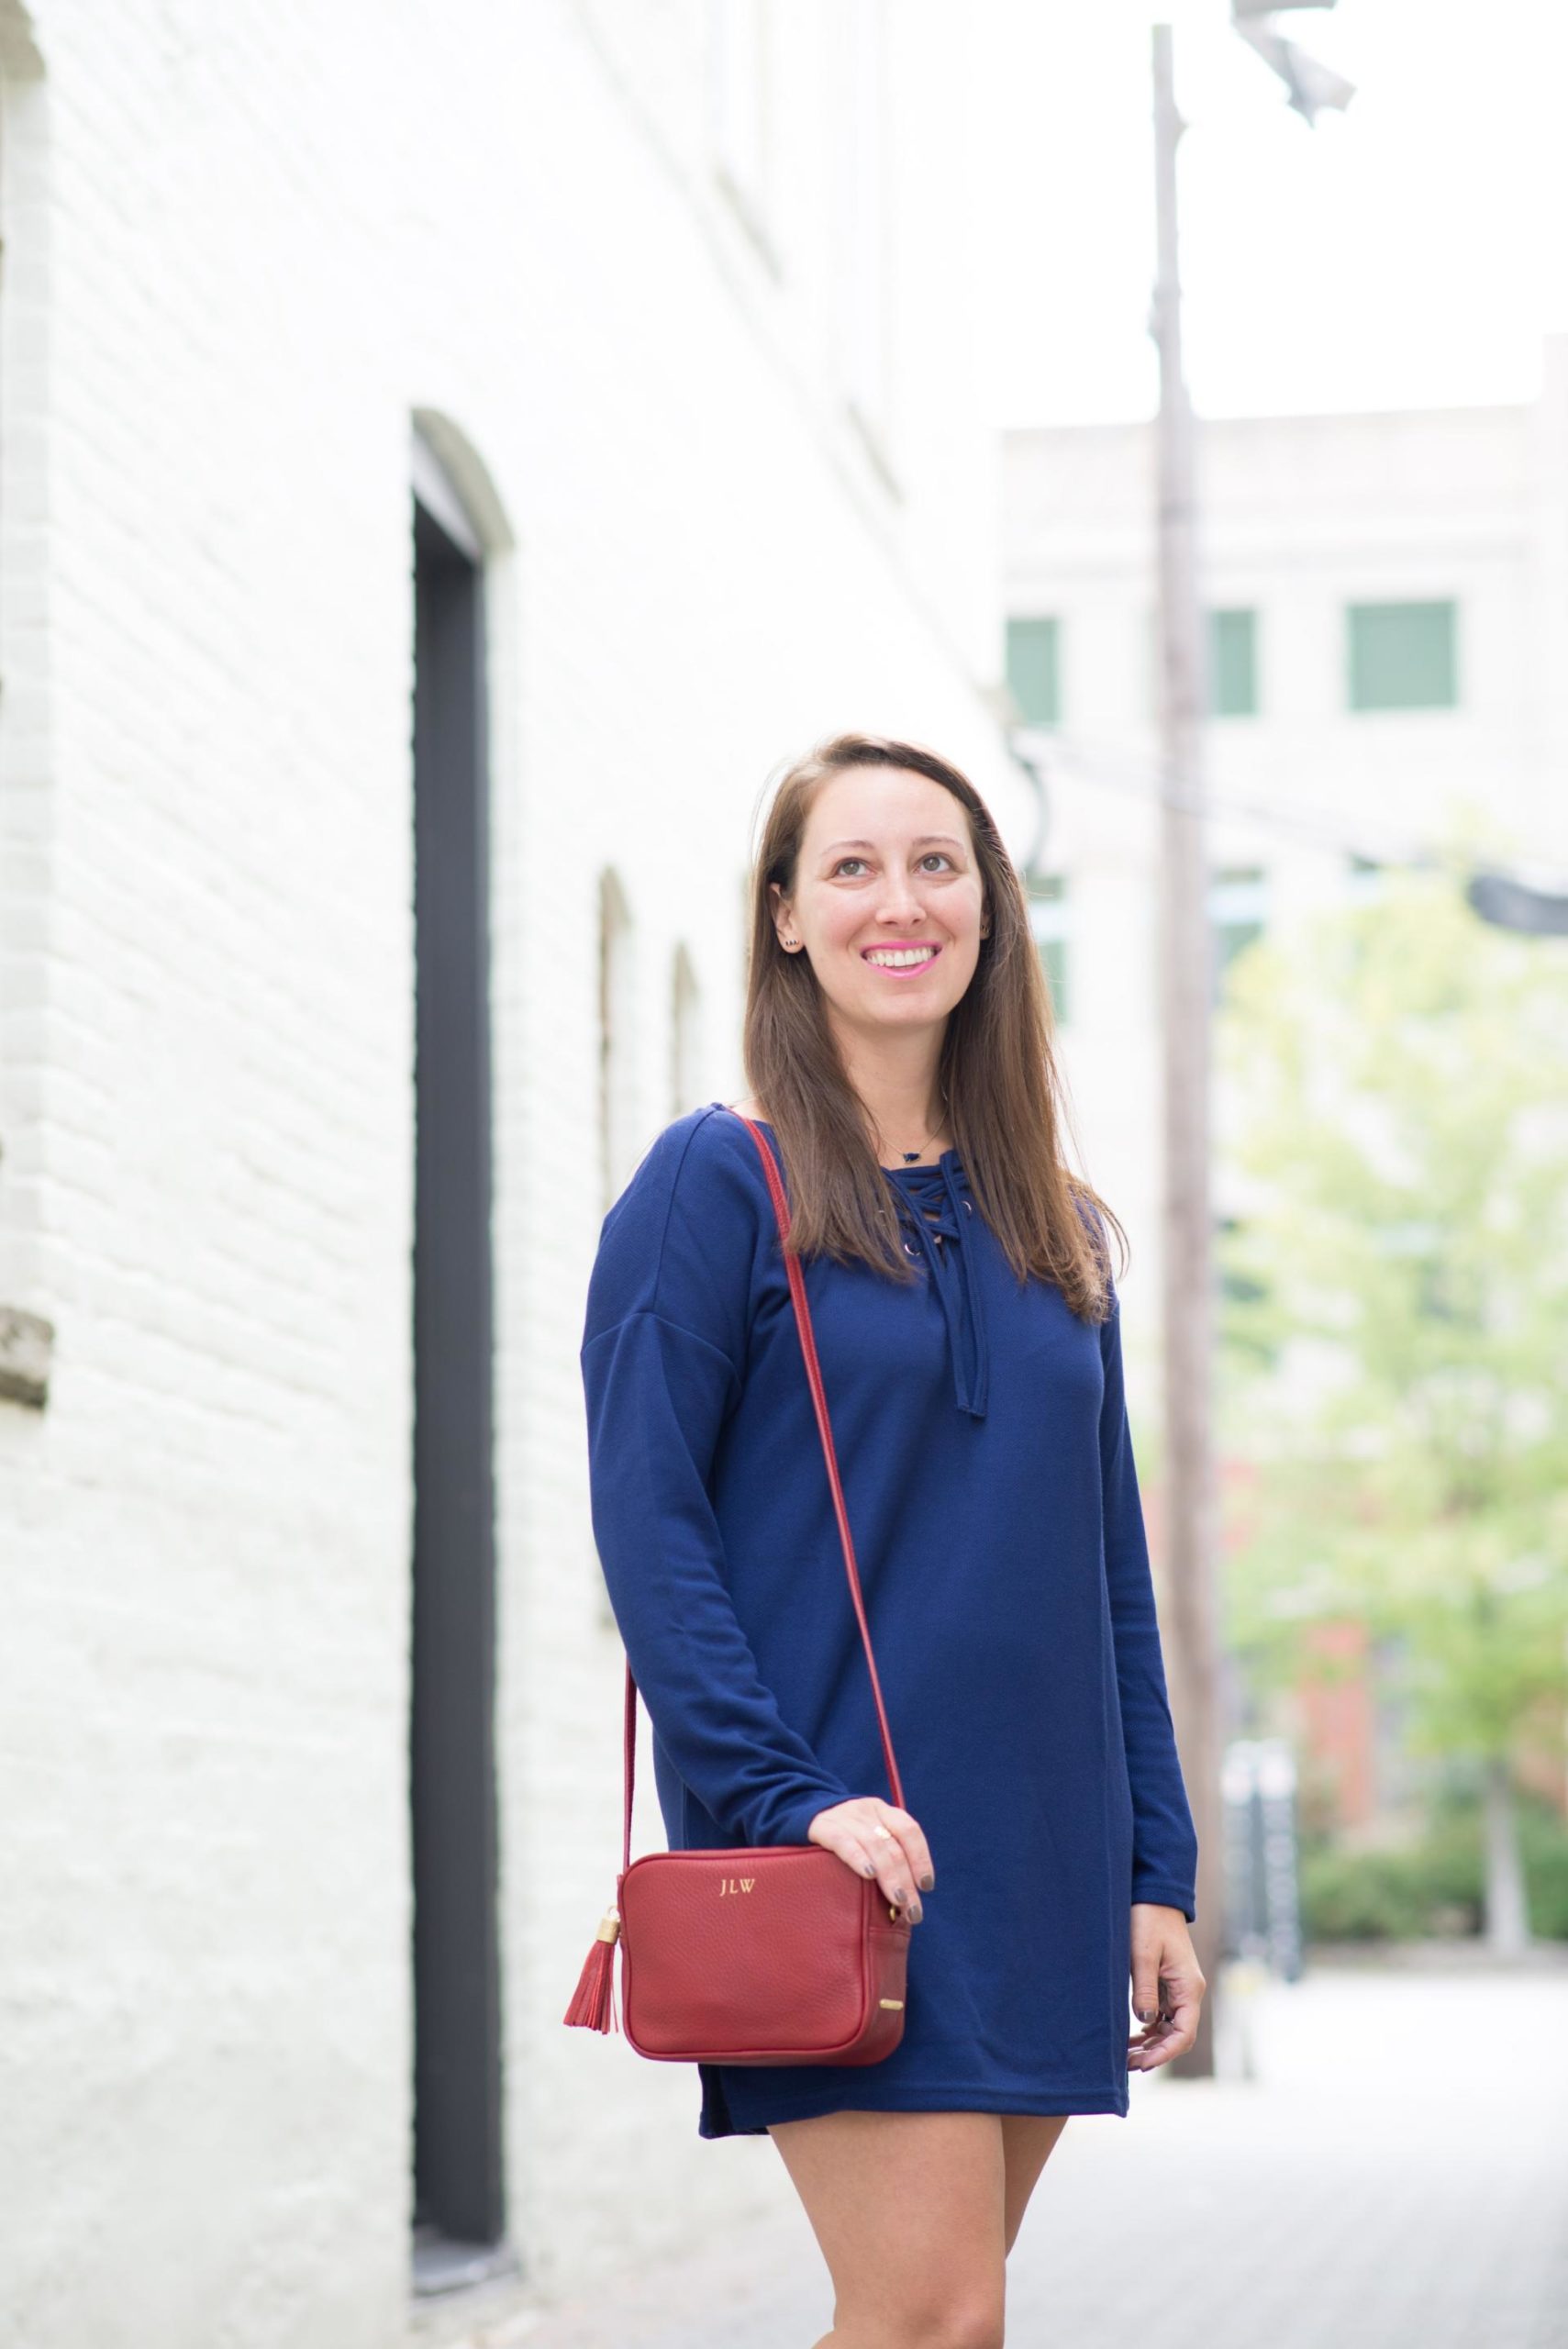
[{"x": 982, "y": 1438}]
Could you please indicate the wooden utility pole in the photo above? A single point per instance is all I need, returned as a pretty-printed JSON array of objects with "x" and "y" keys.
[{"x": 1184, "y": 951}]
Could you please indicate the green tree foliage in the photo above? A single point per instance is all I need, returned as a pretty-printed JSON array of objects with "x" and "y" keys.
[{"x": 1394, "y": 1333}]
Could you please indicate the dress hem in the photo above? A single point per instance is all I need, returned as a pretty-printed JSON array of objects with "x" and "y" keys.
[{"x": 910, "y": 2097}]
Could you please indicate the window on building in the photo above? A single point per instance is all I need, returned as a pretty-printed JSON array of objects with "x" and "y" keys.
[
  {"x": 1402, "y": 656},
  {"x": 1365, "y": 879},
  {"x": 1232, "y": 656},
  {"x": 686, "y": 1054},
  {"x": 1050, "y": 923},
  {"x": 1034, "y": 669},
  {"x": 1237, "y": 913},
  {"x": 1233, "y": 663},
  {"x": 618, "y": 1146}
]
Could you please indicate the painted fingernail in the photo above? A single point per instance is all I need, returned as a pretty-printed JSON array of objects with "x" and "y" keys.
[
  {"x": 900, "y": 1893},
  {"x": 927, "y": 1881}
]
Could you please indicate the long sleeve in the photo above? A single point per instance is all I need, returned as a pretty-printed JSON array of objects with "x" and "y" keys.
[
  {"x": 664, "y": 1332},
  {"x": 1164, "y": 1854}
]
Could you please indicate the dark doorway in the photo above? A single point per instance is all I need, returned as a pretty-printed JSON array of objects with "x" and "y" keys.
[{"x": 457, "y": 2000}]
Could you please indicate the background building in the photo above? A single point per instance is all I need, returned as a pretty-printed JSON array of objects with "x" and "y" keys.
[
  {"x": 1387, "y": 598},
  {"x": 448, "y": 459}
]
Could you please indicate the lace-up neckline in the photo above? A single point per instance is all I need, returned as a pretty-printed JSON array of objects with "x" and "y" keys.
[{"x": 936, "y": 1206}]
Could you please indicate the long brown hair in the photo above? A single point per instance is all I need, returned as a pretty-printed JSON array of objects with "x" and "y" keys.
[{"x": 997, "y": 1069}]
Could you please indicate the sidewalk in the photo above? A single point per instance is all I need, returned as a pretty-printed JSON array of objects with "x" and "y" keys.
[{"x": 1394, "y": 2176}]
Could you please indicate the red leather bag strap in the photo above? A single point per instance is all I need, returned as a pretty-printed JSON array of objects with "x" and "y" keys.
[{"x": 814, "y": 1374}]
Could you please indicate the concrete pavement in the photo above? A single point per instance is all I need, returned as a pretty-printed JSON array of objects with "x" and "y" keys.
[{"x": 1393, "y": 2176}]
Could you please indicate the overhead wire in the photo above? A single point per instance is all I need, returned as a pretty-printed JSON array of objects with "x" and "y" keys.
[{"x": 1059, "y": 757}]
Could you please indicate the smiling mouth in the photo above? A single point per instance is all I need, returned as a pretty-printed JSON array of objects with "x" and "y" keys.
[{"x": 908, "y": 961}]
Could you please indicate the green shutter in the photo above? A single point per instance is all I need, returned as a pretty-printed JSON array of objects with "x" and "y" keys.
[
  {"x": 1233, "y": 665},
  {"x": 1237, "y": 909},
  {"x": 1033, "y": 670},
  {"x": 1048, "y": 920},
  {"x": 1402, "y": 656}
]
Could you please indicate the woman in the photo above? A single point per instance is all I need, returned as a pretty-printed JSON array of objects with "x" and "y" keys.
[{"x": 898, "y": 1038}]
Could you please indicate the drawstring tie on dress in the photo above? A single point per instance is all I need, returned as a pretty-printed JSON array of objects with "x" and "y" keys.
[{"x": 949, "y": 1252}]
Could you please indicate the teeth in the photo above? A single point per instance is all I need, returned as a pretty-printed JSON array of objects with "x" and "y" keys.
[{"x": 898, "y": 958}]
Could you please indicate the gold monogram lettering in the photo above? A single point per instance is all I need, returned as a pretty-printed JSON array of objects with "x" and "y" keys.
[{"x": 735, "y": 1884}]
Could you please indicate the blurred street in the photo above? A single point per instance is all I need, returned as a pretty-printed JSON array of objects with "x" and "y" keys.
[{"x": 1394, "y": 2176}]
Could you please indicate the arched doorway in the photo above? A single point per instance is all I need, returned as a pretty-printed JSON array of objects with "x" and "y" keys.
[{"x": 459, "y": 2200}]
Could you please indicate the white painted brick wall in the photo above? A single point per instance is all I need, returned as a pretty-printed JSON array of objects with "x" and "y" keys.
[{"x": 243, "y": 247}]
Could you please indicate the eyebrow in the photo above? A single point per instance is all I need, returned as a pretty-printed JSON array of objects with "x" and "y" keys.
[{"x": 926, "y": 840}]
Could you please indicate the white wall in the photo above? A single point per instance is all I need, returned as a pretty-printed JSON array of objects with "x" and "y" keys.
[{"x": 243, "y": 249}]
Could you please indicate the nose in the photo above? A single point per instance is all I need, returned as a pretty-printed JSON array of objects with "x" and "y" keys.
[{"x": 899, "y": 900}]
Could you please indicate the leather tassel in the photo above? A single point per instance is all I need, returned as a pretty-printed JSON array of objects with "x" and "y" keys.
[{"x": 593, "y": 2001}]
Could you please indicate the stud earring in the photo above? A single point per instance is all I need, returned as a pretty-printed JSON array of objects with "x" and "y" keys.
[{"x": 791, "y": 941}]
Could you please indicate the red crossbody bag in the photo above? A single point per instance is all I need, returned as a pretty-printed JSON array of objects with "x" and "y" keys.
[{"x": 756, "y": 1954}]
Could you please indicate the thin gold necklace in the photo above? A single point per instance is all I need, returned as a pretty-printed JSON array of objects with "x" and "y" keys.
[{"x": 909, "y": 1156}]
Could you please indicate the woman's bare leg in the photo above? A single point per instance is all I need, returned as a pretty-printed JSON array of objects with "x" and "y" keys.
[
  {"x": 1029, "y": 2140},
  {"x": 910, "y": 2212}
]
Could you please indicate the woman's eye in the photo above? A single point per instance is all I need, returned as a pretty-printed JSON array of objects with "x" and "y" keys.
[{"x": 941, "y": 853}]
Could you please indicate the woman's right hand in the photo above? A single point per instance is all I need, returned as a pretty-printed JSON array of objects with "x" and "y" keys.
[{"x": 899, "y": 1860}]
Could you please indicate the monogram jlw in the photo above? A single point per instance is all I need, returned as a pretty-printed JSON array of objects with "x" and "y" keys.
[{"x": 735, "y": 1884}]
